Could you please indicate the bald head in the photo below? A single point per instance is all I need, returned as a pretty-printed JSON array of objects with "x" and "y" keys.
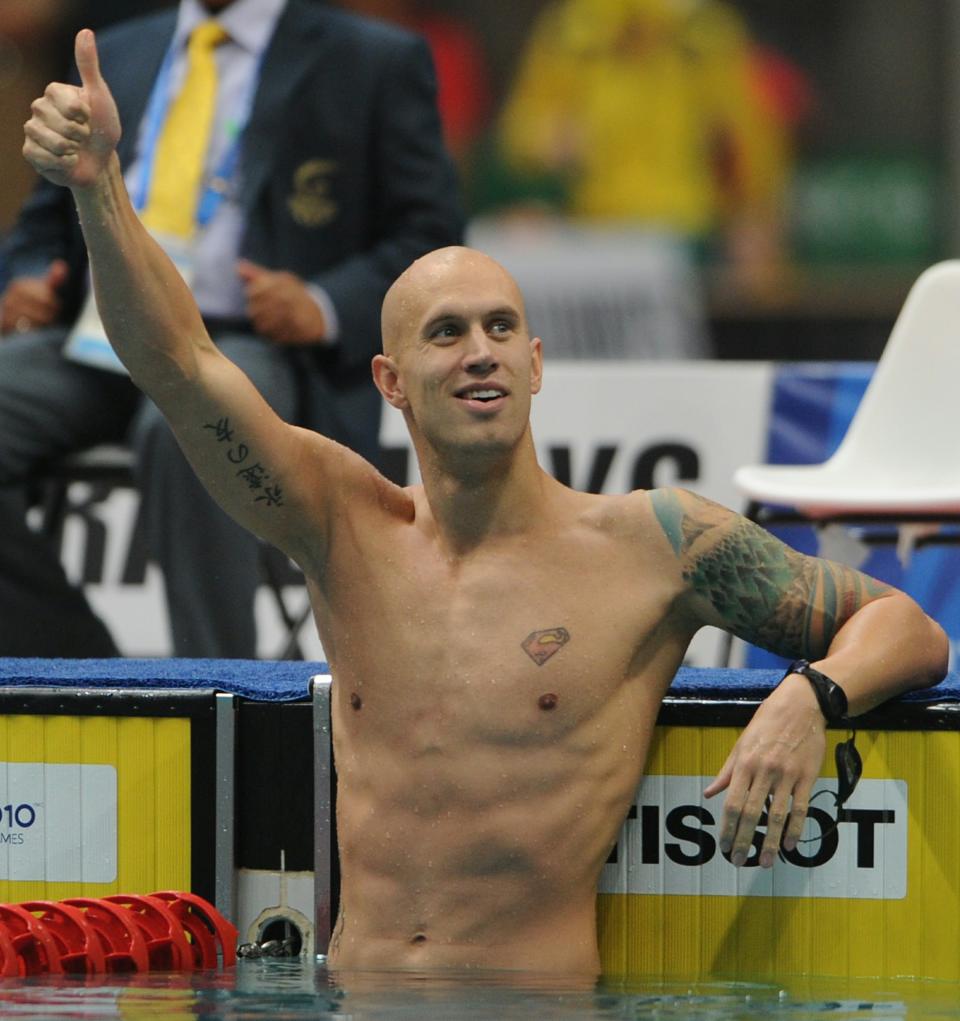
[{"x": 444, "y": 274}]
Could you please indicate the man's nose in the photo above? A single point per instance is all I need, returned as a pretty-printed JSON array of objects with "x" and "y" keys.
[{"x": 479, "y": 353}]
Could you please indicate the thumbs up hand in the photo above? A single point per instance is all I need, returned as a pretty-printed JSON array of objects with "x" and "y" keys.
[{"x": 73, "y": 131}]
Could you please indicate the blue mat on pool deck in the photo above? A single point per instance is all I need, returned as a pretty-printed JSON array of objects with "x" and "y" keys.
[
  {"x": 261, "y": 680},
  {"x": 284, "y": 680}
]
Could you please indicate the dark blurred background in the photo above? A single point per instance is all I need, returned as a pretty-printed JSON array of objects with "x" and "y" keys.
[{"x": 866, "y": 98}]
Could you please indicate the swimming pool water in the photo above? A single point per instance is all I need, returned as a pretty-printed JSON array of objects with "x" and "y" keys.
[{"x": 296, "y": 990}]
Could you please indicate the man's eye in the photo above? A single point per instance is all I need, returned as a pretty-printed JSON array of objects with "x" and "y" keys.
[
  {"x": 442, "y": 332},
  {"x": 501, "y": 326}
]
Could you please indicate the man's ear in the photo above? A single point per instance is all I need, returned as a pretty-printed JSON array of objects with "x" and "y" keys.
[
  {"x": 387, "y": 378},
  {"x": 536, "y": 365}
]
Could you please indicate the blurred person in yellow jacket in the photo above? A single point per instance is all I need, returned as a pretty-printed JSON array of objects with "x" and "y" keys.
[{"x": 653, "y": 112}]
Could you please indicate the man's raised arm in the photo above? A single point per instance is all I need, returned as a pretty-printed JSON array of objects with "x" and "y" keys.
[
  {"x": 261, "y": 470},
  {"x": 874, "y": 641}
]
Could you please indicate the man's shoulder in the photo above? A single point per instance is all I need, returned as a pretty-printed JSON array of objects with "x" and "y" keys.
[
  {"x": 135, "y": 31},
  {"x": 621, "y": 516},
  {"x": 682, "y": 511},
  {"x": 131, "y": 49},
  {"x": 349, "y": 27},
  {"x": 342, "y": 46},
  {"x": 366, "y": 489}
]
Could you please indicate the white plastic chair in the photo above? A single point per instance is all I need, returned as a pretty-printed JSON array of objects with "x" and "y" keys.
[
  {"x": 899, "y": 461},
  {"x": 900, "y": 458}
]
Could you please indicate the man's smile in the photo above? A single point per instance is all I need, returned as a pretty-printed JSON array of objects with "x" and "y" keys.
[{"x": 483, "y": 396}]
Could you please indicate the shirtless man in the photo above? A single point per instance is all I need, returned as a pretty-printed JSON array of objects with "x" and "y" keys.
[{"x": 500, "y": 643}]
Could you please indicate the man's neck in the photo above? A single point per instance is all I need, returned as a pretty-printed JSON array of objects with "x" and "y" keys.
[{"x": 475, "y": 498}]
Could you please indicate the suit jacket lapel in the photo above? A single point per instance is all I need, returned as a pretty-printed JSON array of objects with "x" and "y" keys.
[
  {"x": 292, "y": 52},
  {"x": 132, "y": 89}
]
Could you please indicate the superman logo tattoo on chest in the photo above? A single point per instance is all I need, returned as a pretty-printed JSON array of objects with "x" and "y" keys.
[{"x": 541, "y": 645}]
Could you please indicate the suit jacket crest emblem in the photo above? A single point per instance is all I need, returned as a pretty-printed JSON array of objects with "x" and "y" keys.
[{"x": 310, "y": 204}]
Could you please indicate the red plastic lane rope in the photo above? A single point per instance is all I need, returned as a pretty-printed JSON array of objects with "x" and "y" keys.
[
  {"x": 167, "y": 945},
  {"x": 164, "y": 931},
  {"x": 120, "y": 935},
  {"x": 205, "y": 926},
  {"x": 78, "y": 945}
]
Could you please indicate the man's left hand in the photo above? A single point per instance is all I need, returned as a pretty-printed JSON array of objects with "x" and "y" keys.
[
  {"x": 73, "y": 131},
  {"x": 777, "y": 757},
  {"x": 280, "y": 306}
]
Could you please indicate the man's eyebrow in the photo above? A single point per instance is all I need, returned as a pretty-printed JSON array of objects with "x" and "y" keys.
[{"x": 440, "y": 318}]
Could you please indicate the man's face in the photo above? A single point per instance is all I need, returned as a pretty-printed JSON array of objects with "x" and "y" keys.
[{"x": 465, "y": 364}]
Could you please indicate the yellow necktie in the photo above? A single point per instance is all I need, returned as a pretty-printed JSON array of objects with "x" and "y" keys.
[{"x": 181, "y": 150}]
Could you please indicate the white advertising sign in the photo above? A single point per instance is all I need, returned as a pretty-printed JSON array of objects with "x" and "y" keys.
[
  {"x": 58, "y": 822},
  {"x": 601, "y": 426},
  {"x": 611, "y": 427},
  {"x": 669, "y": 845}
]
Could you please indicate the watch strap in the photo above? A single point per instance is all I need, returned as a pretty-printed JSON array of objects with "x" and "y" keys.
[{"x": 830, "y": 696}]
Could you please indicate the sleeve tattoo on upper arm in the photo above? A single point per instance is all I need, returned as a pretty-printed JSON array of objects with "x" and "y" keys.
[{"x": 764, "y": 591}]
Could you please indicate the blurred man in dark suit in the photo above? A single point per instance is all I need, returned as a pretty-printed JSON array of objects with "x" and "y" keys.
[{"x": 323, "y": 176}]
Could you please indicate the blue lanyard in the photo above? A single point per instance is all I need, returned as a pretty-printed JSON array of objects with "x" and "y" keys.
[{"x": 217, "y": 185}]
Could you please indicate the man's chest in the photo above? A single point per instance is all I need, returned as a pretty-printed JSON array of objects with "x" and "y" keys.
[{"x": 524, "y": 645}]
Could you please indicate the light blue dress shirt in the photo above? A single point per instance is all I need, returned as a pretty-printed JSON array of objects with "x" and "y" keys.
[{"x": 250, "y": 24}]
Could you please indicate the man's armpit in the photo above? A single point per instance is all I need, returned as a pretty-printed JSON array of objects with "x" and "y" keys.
[{"x": 761, "y": 589}]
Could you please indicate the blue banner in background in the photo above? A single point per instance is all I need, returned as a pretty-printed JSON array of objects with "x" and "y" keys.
[{"x": 811, "y": 407}]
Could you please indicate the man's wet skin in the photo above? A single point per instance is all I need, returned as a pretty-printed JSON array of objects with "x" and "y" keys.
[{"x": 498, "y": 668}]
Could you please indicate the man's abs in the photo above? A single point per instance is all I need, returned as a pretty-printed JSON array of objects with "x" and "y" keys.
[{"x": 466, "y": 925}]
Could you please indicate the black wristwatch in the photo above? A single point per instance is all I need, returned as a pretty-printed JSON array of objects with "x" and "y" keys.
[{"x": 830, "y": 696}]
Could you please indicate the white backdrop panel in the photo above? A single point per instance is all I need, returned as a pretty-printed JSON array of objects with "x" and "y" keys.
[{"x": 612, "y": 426}]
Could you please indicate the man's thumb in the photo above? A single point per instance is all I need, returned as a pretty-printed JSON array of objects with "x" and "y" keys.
[
  {"x": 88, "y": 62},
  {"x": 57, "y": 273}
]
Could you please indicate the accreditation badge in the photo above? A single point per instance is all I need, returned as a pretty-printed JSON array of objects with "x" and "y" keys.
[{"x": 88, "y": 342}]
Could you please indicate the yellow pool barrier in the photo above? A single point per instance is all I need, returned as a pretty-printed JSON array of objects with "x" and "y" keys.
[
  {"x": 878, "y": 896},
  {"x": 115, "y": 789}
]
